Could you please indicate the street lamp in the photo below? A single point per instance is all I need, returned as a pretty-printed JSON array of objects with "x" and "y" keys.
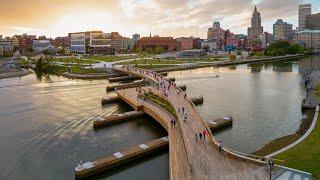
[{"x": 271, "y": 164}]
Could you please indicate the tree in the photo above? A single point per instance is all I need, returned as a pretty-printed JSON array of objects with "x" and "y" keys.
[
  {"x": 61, "y": 51},
  {"x": 158, "y": 50},
  {"x": 206, "y": 48},
  {"x": 232, "y": 57}
]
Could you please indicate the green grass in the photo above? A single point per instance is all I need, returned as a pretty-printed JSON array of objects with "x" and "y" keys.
[
  {"x": 71, "y": 60},
  {"x": 277, "y": 144},
  {"x": 156, "y": 61},
  {"x": 161, "y": 102},
  {"x": 80, "y": 70},
  {"x": 22, "y": 62},
  {"x": 110, "y": 58},
  {"x": 75, "y": 70},
  {"x": 148, "y": 66},
  {"x": 317, "y": 91},
  {"x": 306, "y": 155}
]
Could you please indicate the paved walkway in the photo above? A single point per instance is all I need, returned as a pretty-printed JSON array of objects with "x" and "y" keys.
[
  {"x": 314, "y": 122},
  {"x": 191, "y": 158}
]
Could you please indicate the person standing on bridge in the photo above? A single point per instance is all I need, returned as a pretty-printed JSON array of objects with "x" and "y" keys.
[
  {"x": 196, "y": 136},
  {"x": 204, "y": 134},
  {"x": 219, "y": 145},
  {"x": 200, "y": 136}
]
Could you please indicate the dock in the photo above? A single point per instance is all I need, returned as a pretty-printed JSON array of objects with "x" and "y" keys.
[
  {"x": 220, "y": 123},
  {"x": 188, "y": 158},
  {"x": 116, "y": 118},
  {"x": 182, "y": 87},
  {"x": 197, "y": 100},
  {"x": 124, "y": 78},
  {"x": 126, "y": 85},
  {"x": 172, "y": 79},
  {"x": 88, "y": 169},
  {"x": 110, "y": 99}
]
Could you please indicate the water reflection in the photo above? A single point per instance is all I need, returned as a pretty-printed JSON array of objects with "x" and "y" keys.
[{"x": 46, "y": 125}]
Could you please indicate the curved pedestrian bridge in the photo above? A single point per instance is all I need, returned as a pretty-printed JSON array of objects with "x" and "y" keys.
[{"x": 189, "y": 157}]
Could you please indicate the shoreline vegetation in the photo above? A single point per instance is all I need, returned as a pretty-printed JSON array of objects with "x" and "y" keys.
[
  {"x": 305, "y": 155},
  {"x": 76, "y": 68},
  {"x": 284, "y": 141},
  {"x": 12, "y": 74}
]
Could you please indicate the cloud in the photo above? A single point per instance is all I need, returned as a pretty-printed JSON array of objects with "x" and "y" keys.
[{"x": 163, "y": 17}]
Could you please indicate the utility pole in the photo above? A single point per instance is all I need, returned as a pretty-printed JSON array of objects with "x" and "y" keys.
[{"x": 271, "y": 164}]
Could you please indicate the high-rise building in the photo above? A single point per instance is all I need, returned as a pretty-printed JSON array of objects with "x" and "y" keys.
[
  {"x": 308, "y": 38},
  {"x": 282, "y": 30},
  {"x": 256, "y": 29},
  {"x": 215, "y": 32},
  {"x": 304, "y": 10},
  {"x": 313, "y": 22}
]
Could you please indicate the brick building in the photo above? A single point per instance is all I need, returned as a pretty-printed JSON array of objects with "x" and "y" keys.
[
  {"x": 167, "y": 43},
  {"x": 184, "y": 43}
]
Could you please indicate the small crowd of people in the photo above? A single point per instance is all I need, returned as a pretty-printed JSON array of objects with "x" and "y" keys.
[
  {"x": 162, "y": 86},
  {"x": 201, "y": 135}
]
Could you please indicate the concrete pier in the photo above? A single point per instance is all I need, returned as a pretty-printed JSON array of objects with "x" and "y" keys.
[
  {"x": 183, "y": 87},
  {"x": 172, "y": 79},
  {"x": 124, "y": 78},
  {"x": 116, "y": 118},
  {"x": 220, "y": 123},
  {"x": 126, "y": 85},
  {"x": 197, "y": 100},
  {"x": 88, "y": 169},
  {"x": 110, "y": 99}
]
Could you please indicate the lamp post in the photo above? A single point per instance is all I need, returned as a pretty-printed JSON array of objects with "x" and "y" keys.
[{"x": 271, "y": 164}]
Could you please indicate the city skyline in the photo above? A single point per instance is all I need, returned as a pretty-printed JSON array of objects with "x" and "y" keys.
[{"x": 165, "y": 18}]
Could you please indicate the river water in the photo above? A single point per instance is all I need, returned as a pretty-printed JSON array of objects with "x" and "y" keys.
[{"x": 46, "y": 125}]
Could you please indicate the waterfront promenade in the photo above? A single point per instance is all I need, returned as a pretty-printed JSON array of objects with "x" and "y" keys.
[{"x": 190, "y": 158}]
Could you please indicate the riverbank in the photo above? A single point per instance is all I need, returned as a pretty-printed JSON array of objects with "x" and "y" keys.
[
  {"x": 227, "y": 63},
  {"x": 91, "y": 76},
  {"x": 22, "y": 72},
  {"x": 282, "y": 142},
  {"x": 305, "y": 155}
]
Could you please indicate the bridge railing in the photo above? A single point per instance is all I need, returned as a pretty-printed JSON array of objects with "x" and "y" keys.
[{"x": 229, "y": 152}]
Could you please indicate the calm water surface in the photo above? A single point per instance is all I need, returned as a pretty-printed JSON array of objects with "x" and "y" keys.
[{"x": 46, "y": 126}]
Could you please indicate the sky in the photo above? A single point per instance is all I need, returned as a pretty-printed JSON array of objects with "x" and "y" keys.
[{"x": 175, "y": 18}]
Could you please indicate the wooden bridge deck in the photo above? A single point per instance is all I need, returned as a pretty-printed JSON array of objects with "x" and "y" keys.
[{"x": 190, "y": 158}]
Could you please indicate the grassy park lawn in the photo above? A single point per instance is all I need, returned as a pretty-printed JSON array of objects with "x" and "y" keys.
[
  {"x": 72, "y": 60},
  {"x": 155, "y": 61},
  {"x": 80, "y": 70},
  {"x": 75, "y": 70},
  {"x": 317, "y": 91},
  {"x": 306, "y": 155},
  {"x": 110, "y": 58}
]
